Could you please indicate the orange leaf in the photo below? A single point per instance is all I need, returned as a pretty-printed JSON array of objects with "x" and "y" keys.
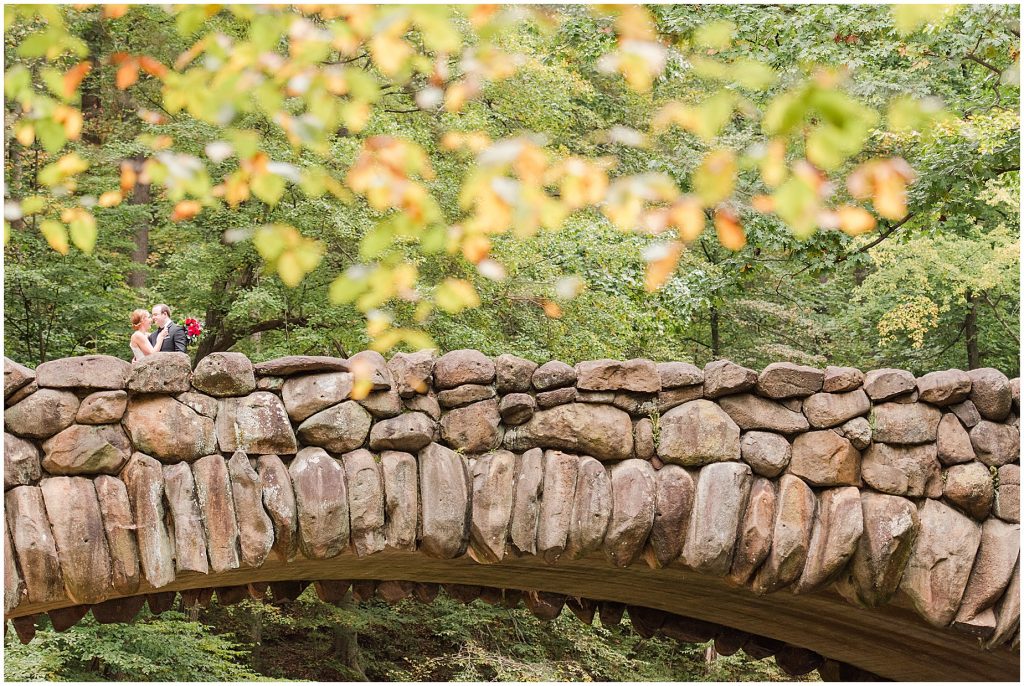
[
  {"x": 186, "y": 209},
  {"x": 855, "y": 220},
  {"x": 662, "y": 267},
  {"x": 476, "y": 248},
  {"x": 763, "y": 203},
  {"x": 73, "y": 77},
  {"x": 110, "y": 199},
  {"x": 115, "y": 11},
  {"x": 152, "y": 66},
  {"x": 551, "y": 308},
  {"x": 128, "y": 176},
  {"x": 127, "y": 74},
  {"x": 687, "y": 215},
  {"x": 730, "y": 232}
]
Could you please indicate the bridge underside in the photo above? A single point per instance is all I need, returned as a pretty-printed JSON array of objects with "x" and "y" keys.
[{"x": 890, "y": 642}]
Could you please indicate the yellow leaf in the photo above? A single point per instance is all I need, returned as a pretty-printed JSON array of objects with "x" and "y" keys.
[
  {"x": 83, "y": 229},
  {"x": 714, "y": 179},
  {"x": 455, "y": 295},
  {"x": 715, "y": 34},
  {"x": 110, "y": 199},
  {"x": 476, "y": 248},
  {"x": 25, "y": 133},
  {"x": 662, "y": 266},
  {"x": 289, "y": 270},
  {"x": 855, "y": 220},
  {"x": 730, "y": 232},
  {"x": 55, "y": 234}
]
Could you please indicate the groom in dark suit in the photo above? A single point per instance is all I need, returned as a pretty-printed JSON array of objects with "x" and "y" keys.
[{"x": 175, "y": 340}]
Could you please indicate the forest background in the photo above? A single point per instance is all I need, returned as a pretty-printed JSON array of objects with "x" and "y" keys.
[{"x": 732, "y": 222}]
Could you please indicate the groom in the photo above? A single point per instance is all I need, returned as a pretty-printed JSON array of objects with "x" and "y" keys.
[{"x": 175, "y": 340}]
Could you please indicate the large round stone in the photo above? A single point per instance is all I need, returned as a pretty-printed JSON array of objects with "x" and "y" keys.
[
  {"x": 87, "y": 371},
  {"x": 553, "y": 374},
  {"x": 308, "y": 394},
  {"x": 256, "y": 424},
  {"x": 766, "y": 453},
  {"x": 338, "y": 429},
  {"x": 903, "y": 470},
  {"x": 412, "y": 372},
  {"x": 969, "y": 487},
  {"x": 15, "y": 376},
  {"x": 754, "y": 412},
  {"x": 825, "y": 410},
  {"x": 944, "y": 388},
  {"x": 637, "y": 376},
  {"x": 83, "y": 449},
  {"x": 990, "y": 393},
  {"x": 21, "y": 462},
  {"x": 473, "y": 428},
  {"x": 996, "y": 444},
  {"x": 102, "y": 407},
  {"x": 161, "y": 373},
  {"x": 600, "y": 431},
  {"x": 224, "y": 374},
  {"x": 461, "y": 367},
  {"x": 513, "y": 373},
  {"x": 824, "y": 458},
  {"x": 407, "y": 432},
  {"x": 163, "y": 428},
  {"x": 697, "y": 433},
  {"x": 42, "y": 414},
  {"x": 882, "y": 384},
  {"x": 723, "y": 377},
  {"x": 905, "y": 423},
  {"x": 787, "y": 380}
]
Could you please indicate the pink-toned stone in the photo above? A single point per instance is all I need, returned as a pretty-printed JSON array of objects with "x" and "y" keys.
[
  {"x": 407, "y": 432},
  {"x": 34, "y": 544},
  {"x": 339, "y": 429},
  {"x": 305, "y": 395},
  {"x": 825, "y": 410},
  {"x": 14, "y": 587},
  {"x": 824, "y": 458},
  {"x": 365, "y": 485},
  {"x": 679, "y": 374},
  {"x": 559, "y": 396},
  {"x": 301, "y": 364},
  {"x": 787, "y": 380},
  {"x": 754, "y": 412},
  {"x": 102, "y": 407},
  {"x": 217, "y": 508},
  {"x": 634, "y": 494},
  {"x": 256, "y": 424},
  {"x": 953, "y": 443},
  {"x": 445, "y": 501},
  {"x": 527, "y": 483},
  {"x": 791, "y": 536},
  {"x": 143, "y": 479},
  {"x": 591, "y": 509},
  {"x": 944, "y": 388},
  {"x": 969, "y": 487},
  {"x": 119, "y": 526},
  {"x": 883, "y": 384},
  {"x": 164, "y": 372},
  {"x": 643, "y": 439},
  {"x": 723, "y": 377},
  {"x": 891, "y": 525},
  {"x": 719, "y": 504},
  {"x": 493, "y": 495},
  {"x": 255, "y": 528},
  {"x": 87, "y": 371},
  {"x": 321, "y": 503},
  {"x": 412, "y": 372},
  {"x": 996, "y": 444},
  {"x": 558, "y": 489},
  {"x": 21, "y": 462},
  {"x": 905, "y": 423},
  {"x": 993, "y": 567},
  {"x": 473, "y": 428},
  {"x": 698, "y": 433},
  {"x": 460, "y": 367},
  {"x": 188, "y": 533},
  {"x": 638, "y": 376},
  {"x": 224, "y": 374},
  {"x": 279, "y": 503},
  {"x": 85, "y": 449},
  {"x": 990, "y": 393},
  {"x": 427, "y": 404},
  {"x": 755, "y": 534},
  {"x": 967, "y": 413},
  {"x": 766, "y": 453},
  {"x": 1007, "y": 502},
  {"x": 516, "y": 408},
  {"x": 42, "y": 414},
  {"x": 673, "y": 503},
  {"x": 600, "y": 431},
  {"x": 842, "y": 379},
  {"x": 168, "y": 430},
  {"x": 464, "y": 395},
  {"x": 514, "y": 374},
  {"x": 401, "y": 499},
  {"x": 1007, "y": 613},
  {"x": 74, "y": 514},
  {"x": 838, "y": 526},
  {"x": 553, "y": 374},
  {"x": 903, "y": 470},
  {"x": 674, "y": 397},
  {"x": 16, "y": 376}
]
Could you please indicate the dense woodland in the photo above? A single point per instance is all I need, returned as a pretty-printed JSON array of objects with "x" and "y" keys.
[{"x": 930, "y": 286}]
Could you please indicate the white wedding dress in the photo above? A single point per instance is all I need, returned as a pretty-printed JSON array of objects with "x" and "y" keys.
[{"x": 136, "y": 352}]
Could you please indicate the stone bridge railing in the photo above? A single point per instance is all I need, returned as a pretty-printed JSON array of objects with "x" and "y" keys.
[{"x": 887, "y": 490}]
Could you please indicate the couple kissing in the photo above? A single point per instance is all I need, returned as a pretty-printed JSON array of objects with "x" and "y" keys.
[{"x": 169, "y": 337}]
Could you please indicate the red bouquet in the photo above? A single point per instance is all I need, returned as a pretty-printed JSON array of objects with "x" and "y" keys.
[{"x": 193, "y": 329}]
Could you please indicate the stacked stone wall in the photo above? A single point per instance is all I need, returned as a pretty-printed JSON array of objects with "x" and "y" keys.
[{"x": 881, "y": 486}]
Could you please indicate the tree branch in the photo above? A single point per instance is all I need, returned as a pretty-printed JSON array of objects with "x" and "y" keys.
[
  {"x": 864, "y": 248},
  {"x": 999, "y": 318}
]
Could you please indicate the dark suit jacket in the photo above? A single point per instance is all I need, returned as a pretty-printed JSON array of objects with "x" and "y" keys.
[{"x": 174, "y": 342}]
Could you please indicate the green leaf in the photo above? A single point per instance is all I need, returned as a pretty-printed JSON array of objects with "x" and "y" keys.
[
  {"x": 17, "y": 80},
  {"x": 434, "y": 239},
  {"x": 268, "y": 187},
  {"x": 345, "y": 289},
  {"x": 376, "y": 241},
  {"x": 715, "y": 34},
  {"x": 83, "y": 235},
  {"x": 269, "y": 243},
  {"x": 51, "y": 135},
  {"x": 785, "y": 112},
  {"x": 795, "y": 203}
]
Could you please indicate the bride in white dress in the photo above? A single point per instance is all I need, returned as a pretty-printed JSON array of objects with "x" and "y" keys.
[{"x": 142, "y": 321}]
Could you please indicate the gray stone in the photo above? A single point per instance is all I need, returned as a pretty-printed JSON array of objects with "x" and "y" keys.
[
  {"x": 187, "y": 530},
  {"x": 401, "y": 499},
  {"x": 339, "y": 429},
  {"x": 637, "y": 376},
  {"x": 944, "y": 388},
  {"x": 967, "y": 413},
  {"x": 698, "y": 433},
  {"x": 823, "y": 458},
  {"x": 473, "y": 428},
  {"x": 766, "y": 453},
  {"x": 723, "y": 377},
  {"x": 412, "y": 372},
  {"x": 102, "y": 407},
  {"x": 787, "y": 380},
  {"x": 279, "y": 503},
  {"x": 858, "y": 432},
  {"x": 953, "y": 442},
  {"x": 791, "y": 536},
  {"x": 270, "y": 383},
  {"x": 673, "y": 503},
  {"x": 755, "y": 534},
  {"x": 903, "y": 470},
  {"x": 21, "y": 462},
  {"x": 493, "y": 494},
  {"x": 365, "y": 485},
  {"x": 42, "y": 414},
  {"x": 460, "y": 367},
  {"x": 591, "y": 509},
  {"x": 553, "y": 374},
  {"x": 321, "y": 503},
  {"x": 941, "y": 561},
  {"x": 516, "y": 408},
  {"x": 199, "y": 403},
  {"x": 514, "y": 374},
  {"x": 990, "y": 393},
  {"x": 558, "y": 489},
  {"x": 15, "y": 376},
  {"x": 679, "y": 374},
  {"x": 88, "y": 371},
  {"x": 163, "y": 372},
  {"x": 719, "y": 504},
  {"x": 674, "y": 397},
  {"x": 426, "y": 404},
  {"x": 842, "y": 379},
  {"x": 382, "y": 404},
  {"x": 301, "y": 364},
  {"x": 634, "y": 494},
  {"x": 825, "y": 410},
  {"x": 753, "y": 412},
  {"x": 996, "y": 444},
  {"x": 143, "y": 479},
  {"x": 643, "y": 439},
  {"x": 905, "y": 424},
  {"x": 883, "y": 384},
  {"x": 34, "y": 544},
  {"x": 170, "y": 431},
  {"x": 636, "y": 404},
  {"x": 224, "y": 374},
  {"x": 600, "y": 431},
  {"x": 838, "y": 527},
  {"x": 969, "y": 487},
  {"x": 408, "y": 432},
  {"x": 74, "y": 514},
  {"x": 307, "y": 394},
  {"x": 14, "y": 587},
  {"x": 445, "y": 501},
  {"x": 891, "y": 525},
  {"x": 217, "y": 507},
  {"x": 84, "y": 449},
  {"x": 119, "y": 526},
  {"x": 528, "y": 480},
  {"x": 255, "y": 528},
  {"x": 993, "y": 568},
  {"x": 464, "y": 395}
]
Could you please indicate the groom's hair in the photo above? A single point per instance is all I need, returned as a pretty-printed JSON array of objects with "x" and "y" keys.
[{"x": 163, "y": 308}]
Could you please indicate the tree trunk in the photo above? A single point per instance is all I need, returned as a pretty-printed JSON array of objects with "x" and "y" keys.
[
  {"x": 715, "y": 340},
  {"x": 91, "y": 103},
  {"x": 346, "y": 644},
  {"x": 971, "y": 331},
  {"x": 141, "y": 195}
]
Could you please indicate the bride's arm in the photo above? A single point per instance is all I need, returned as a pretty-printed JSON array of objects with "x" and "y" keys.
[{"x": 143, "y": 344}]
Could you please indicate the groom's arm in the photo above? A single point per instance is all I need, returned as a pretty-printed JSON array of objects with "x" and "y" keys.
[{"x": 179, "y": 340}]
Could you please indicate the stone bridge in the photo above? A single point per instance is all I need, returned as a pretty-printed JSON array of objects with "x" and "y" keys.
[{"x": 865, "y": 525}]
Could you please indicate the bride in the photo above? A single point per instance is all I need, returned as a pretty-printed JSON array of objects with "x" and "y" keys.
[{"x": 142, "y": 322}]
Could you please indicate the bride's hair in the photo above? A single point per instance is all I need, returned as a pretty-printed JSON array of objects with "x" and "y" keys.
[{"x": 138, "y": 316}]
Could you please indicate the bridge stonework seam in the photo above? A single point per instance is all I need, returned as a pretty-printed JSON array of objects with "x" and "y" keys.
[{"x": 880, "y": 488}]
